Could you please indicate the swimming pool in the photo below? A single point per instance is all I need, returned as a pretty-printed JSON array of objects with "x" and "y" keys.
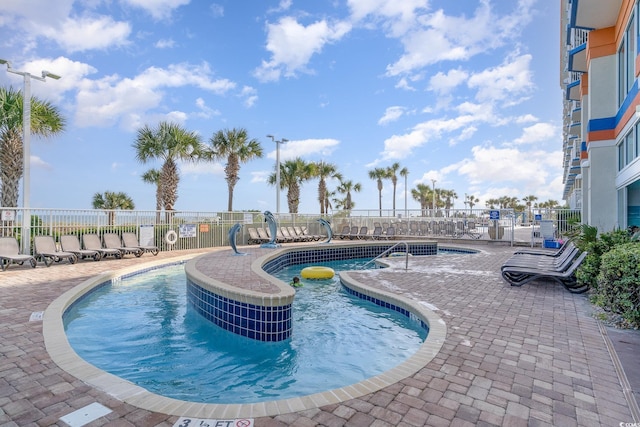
[
  {"x": 141, "y": 328},
  {"x": 219, "y": 267}
]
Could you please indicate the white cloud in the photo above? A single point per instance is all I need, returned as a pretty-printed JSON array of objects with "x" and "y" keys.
[
  {"x": 489, "y": 165},
  {"x": 537, "y": 133},
  {"x": 158, "y": 9},
  {"x": 437, "y": 37},
  {"x": 307, "y": 148},
  {"x": 109, "y": 100},
  {"x": 445, "y": 83},
  {"x": 292, "y": 45},
  {"x": 165, "y": 44},
  {"x": 507, "y": 82},
  {"x": 391, "y": 114}
]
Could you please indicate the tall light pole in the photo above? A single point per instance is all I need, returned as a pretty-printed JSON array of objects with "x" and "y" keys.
[
  {"x": 283, "y": 140},
  {"x": 433, "y": 183},
  {"x": 26, "y": 149}
]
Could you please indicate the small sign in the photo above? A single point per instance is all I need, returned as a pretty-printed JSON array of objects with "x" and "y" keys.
[
  {"x": 494, "y": 214},
  {"x": 538, "y": 217},
  {"x": 187, "y": 230},
  {"x": 147, "y": 235},
  {"x": 8, "y": 215},
  {"x": 199, "y": 422},
  {"x": 204, "y": 228}
]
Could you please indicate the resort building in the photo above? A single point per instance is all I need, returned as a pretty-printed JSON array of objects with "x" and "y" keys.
[{"x": 599, "y": 68}]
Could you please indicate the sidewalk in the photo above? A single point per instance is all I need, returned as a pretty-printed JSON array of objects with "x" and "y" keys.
[{"x": 532, "y": 355}]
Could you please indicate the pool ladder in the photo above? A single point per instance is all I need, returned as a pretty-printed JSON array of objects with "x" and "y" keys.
[{"x": 406, "y": 254}]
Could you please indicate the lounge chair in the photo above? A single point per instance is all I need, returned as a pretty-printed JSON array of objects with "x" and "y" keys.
[
  {"x": 71, "y": 243},
  {"x": 363, "y": 233},
  {"x": 377, "y": 232},
  {"x": 302, "y": 231},
  {"x": 112, "y": 241},
  {"x": 10, "y": 254},
  {"x": 284, "y": 231},
  {"x": 47, "y": 251},
  {"x": 345, "y": 233},
  {"x": 263, "y": 235},
  {"x": 130, "y": 240},
  {"x": 519, "y": 275},
  {"x": 568, "y": 244},
  {"x": 92, "y": 242},
  {"x": 537, "y": 261},
  {"x": 254, "y": 237},
  {"x": 298, "y": 236}
]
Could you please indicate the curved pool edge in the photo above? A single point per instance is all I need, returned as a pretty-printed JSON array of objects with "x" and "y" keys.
[{"x": 61, "y": 352}]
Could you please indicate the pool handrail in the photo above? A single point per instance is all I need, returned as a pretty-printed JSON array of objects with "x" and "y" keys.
[{"x": 406, "y": 256}]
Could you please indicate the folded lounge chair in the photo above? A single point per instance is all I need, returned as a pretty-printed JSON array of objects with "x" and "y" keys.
[
  {"x": 519, "y": 275},
  {"x": 112, "y": 241},
  {"x": 47, "y": 251},
  {"x": 10, "y": 254},
  {"x": 92, "y": 242},
  {"x": 254, "y": 237},
  {"x": 70, "y": 243},
  {"x": 547, "y": 262},
  {"x": 130, "y": 240}
]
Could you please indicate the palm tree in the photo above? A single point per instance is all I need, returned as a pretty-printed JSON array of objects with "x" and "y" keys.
[
  {"x": 492, "y": 203},
  {"x": 392, "y": 174},
  {"x": 112, "y": 201},
  {"x": 346, "y": 187},
  {"x": 292, "y": 174},
  {"x": 152, "y": 176},
  {"x": 168, "y": 142},
  {"x": 46, "y": 121},
  {"x": 235, "y": 146},
  {"x": 471, "y": 201},
  {"x": 528, "y": 200},
  {"x": 324, "y": 171},
  {"x": 404, "y": 172},
  {"x": 379, "y": 174},
  {"x": 449, "y": 196},
  {"x": 423, "y": 194}
]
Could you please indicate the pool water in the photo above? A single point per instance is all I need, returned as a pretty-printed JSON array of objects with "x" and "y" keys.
[{"x": 140, "y": 328}]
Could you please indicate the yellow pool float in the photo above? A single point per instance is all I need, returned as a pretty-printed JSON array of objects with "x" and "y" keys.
[{"x": 317, "y": 272}]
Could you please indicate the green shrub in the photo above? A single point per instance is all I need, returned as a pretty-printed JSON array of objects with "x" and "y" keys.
[
  {"x": 596, "y": 246},
  {"x": 619, "y": 281}
]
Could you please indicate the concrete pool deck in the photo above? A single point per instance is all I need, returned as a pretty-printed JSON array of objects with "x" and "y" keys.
[{"x": 533, "y": 355}]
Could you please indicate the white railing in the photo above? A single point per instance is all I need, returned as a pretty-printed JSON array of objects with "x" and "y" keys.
[{"x": 195, "y": 230}]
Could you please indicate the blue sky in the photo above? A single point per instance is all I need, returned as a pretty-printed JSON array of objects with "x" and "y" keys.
[{"x": 463, "y": 92}]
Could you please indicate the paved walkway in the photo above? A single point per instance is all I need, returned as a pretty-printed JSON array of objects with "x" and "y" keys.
[{"x": 513, "y": 356}]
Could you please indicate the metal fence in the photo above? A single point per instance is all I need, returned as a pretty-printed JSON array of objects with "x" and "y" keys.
[{"x": 195, "y": 230}]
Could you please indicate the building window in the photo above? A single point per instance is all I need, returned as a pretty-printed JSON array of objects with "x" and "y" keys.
[
  {"x": 621, "y": 155},
  {"x": 630, "y": 145},
  {"x": 627, "y": 60}
]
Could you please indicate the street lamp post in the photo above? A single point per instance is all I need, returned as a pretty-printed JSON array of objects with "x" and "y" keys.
[
  {"x": 283, "y": 140},
  {"x": 26, "y": 149},
  {"x": 433, "y": 183}
]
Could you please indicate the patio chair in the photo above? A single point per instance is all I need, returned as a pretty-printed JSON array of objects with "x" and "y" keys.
[
  {"x": 263, "y": 235},
  {"x": 112, "y": 241},
  {"x": 298, "y": 236},
  {"x": 92, "y": 242},
  {"x": 363, "y": 233},
  {"x": 377, "y": 232},
  {"x": 47, "y": 251},
  {"x": 130, "y": 240},
  {"x": 284, "y": 231},
  {"x": 568, "y": 244},
  {"x": 71, "y": 243},
  {"x": 345, "y": 233},
  {"x": 544, "y": 262},
  {"x": 519, "y": 275},
  {"x": 10, "y": 254},
  {"x": 254, "y": 237},
  {"x": 302, "y": 231}
]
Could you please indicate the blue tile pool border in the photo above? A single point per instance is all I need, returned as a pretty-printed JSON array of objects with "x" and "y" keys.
[{"x": 229, "y": 308}]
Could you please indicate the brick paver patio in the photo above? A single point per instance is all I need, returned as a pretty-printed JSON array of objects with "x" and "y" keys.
[{"x": 533, "y": 355}]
